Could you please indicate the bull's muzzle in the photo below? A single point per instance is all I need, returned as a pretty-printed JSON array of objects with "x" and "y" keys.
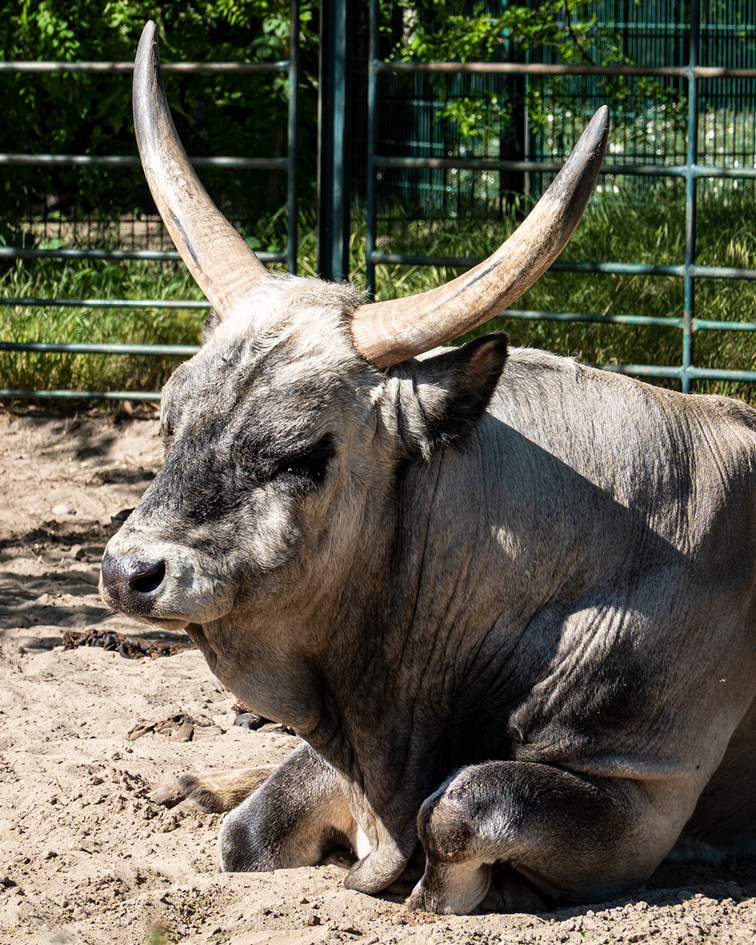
[
  {"x": 162, "y": 582},
  {"x": 130, "y": 584}
]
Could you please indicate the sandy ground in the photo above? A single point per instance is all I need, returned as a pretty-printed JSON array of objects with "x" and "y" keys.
[{"x": 86, "y": 857}]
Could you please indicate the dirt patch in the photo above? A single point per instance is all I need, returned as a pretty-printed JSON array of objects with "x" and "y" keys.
[{"x": 87, "y": 858}]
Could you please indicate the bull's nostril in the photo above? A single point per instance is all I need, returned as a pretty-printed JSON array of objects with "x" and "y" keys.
[{"x": 148, "y": 581}]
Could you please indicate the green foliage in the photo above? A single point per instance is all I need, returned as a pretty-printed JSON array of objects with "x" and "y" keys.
[
  {"x": 79, "y": 113},
  {"x": 563, "y": 31},
  {"x": 437, "y": 30}
]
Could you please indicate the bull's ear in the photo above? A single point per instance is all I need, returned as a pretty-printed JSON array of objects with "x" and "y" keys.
[
  {"x": 208, "y": 329},
  {"x": 439, "y": 400}
]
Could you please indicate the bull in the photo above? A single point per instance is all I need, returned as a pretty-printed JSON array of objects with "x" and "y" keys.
[{"x": 507, "y": 600}]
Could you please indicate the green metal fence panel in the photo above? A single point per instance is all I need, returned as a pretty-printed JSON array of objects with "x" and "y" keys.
[
  {"x": 698, "y": 69},
  {"x": 288, "y": 68},
  {"x": 651, "y": 33}
]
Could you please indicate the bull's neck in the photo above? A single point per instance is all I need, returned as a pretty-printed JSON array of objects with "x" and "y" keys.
[
  {"x": 426, "y": 668},
  {"x": 397, "y": 681}
]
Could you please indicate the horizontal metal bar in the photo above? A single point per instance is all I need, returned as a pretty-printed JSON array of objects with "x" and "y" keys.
[
  {"x": 104, "y": 303},
  {"x": 644, "y": 269},
  {"x": 542, "y": 68},
  {"x": 642, "y": 370},
  {"x": 548, "y": 167},
  {"x": 721, "y": 272},
  {"x": 607, "y": 268},
  {"x": 671, "y": 321},
  {"x": 99, "y": 67},
  {"x": 82, "y": 348},
  {"x": 128, "y": 160},
  {"x": 82, "y": 394},
  {"x": 714, "y": 374},
  {"x": 533, "y": 315},
  {"x": 701, "y": 374},
  {"x": 525, "y": 314},
  {"x": 620, "y": 269},
  {"x": 15, "y": 252},
  {"x": 388, "y": 163},
  {"x": 503, "y": 68},
  {"x": 702, "y": 171},
  {"x": 702, "y": 324},
  {"x": 462, "y": 262}
]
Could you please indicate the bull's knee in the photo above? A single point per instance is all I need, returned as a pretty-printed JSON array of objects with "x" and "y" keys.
[
  {"x": 457, "y": 874},
  {"x": 445, "y": 829},
  {"x": 569, "y": 838},
  {"x": 294, "y": 819}
]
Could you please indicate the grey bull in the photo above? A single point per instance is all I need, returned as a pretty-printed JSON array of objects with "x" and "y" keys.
[{"x": 506, "y": 599}]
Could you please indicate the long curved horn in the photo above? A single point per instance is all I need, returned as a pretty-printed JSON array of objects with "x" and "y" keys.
[
  {"x": 224, "y": 267},
  {"x": 386, "y": 333}
]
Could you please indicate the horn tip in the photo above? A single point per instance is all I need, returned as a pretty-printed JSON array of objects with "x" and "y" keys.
[
  {"x": 149, "y": 33},
  {"x": 598, "y": 126},
  {"x": 147, "y": 50}
]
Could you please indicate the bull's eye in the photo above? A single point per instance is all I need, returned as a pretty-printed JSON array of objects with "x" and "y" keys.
[{"x": 310, "y": 467}]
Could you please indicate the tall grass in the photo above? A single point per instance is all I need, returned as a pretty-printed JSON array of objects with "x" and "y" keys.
[
  {"x": 49, "y": 278},
  {"x": 649, "y": 232}
]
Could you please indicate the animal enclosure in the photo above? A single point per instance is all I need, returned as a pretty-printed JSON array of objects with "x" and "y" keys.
[{"x": 89, "y": 858}]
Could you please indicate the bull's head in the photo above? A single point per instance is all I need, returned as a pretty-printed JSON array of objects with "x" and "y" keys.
[{"x": 276, "y": 506}]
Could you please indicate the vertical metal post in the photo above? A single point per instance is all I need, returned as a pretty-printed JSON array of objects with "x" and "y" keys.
[
  {"x": 293, "y": 135},
  {"x": 513, "y": 143},
  {"x": 333, "y": 189},
  {"x": 372, "y": 145},
  {"x": 690, "y": 195}
]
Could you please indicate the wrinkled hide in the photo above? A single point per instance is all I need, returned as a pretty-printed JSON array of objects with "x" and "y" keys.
[{"x": 508, "y": 601}]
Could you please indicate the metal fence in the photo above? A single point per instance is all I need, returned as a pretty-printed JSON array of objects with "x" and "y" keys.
[
  {"x": 653, "y": 33},
  {"x": 288, "y": 164},
  {"x": 691, "y": 167},
  {"x": 691, "y": 172}
]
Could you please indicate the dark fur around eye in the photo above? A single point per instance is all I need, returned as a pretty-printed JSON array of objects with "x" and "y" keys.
[{"x": 311, "y": 466}]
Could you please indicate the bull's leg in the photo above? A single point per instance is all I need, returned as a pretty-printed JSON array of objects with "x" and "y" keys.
[
  {"x": 724, "y": 821},
  {"x": 215, "y": 792},
  {"x": 294, "y": 819},
  {"x": 572, "y": 838}
]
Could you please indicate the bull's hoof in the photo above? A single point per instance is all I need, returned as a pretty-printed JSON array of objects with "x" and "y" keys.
[
  {"x": 214, "y": 793},
  {"x": 451, "y": 890},
  {"x": 168, "y": 794}
]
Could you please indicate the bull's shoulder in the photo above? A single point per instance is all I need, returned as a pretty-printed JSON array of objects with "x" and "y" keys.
[
  {"x": 643, "y": 445},
  {"x": 569, "y": 390}
]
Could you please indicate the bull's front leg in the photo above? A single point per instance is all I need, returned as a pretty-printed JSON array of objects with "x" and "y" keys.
[
  {"x": 215, "y": 792},
  {"x": 294, "y": 819},
  {"x": 573, "y": 838}
]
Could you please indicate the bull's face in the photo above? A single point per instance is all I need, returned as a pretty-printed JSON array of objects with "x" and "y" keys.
[
  {"x": 283, "y": 435},
  {"x": 282, "y": 444},
  {"x": 271, "y": 439}
]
